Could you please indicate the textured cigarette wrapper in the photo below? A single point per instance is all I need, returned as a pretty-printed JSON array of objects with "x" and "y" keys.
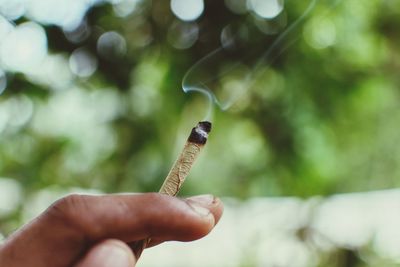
[{"x": 180, "y": 170}]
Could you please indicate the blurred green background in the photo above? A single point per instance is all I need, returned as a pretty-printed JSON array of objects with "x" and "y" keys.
[{"x": 91, "y": 97}]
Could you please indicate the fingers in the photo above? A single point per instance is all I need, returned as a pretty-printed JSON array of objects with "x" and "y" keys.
[
  {"x": 202, "y": 199},
  {"x": 108, "y": 253},
  {"x": 209, "y": 202},
  {"x": 133, "y": 217},
  {"x": 77, "y": 222}
]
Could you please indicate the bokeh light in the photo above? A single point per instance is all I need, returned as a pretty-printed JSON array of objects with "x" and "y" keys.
[
  {"x": 82, "y": 62},
  {"x": 267, "y": 9},
  {"x": 24, "y": 48},
  {"x": 111, "y": 45},
  {"x": 187, "y": 10}
]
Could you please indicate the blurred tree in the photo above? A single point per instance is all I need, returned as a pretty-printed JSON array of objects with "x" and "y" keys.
[{"x": 91, "y": 95}]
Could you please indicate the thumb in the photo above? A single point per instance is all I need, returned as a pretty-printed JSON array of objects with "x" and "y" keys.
[{"x": 108, "y": 253}]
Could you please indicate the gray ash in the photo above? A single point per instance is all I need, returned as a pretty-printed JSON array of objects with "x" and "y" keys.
[{"x": 199, "y": 133}]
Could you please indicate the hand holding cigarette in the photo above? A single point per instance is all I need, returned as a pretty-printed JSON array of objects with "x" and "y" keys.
[
  {"x": 95, "y": 231},
  {"x": 113, "y": 230}
]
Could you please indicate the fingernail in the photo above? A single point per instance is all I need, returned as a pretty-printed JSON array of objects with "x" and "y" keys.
[
  {"x": 204, "y": 200},
  {"x": 200, "y": 203},
  {"x": 204, "y": 212}
]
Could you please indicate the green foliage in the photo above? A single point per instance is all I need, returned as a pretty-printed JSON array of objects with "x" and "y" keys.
[{"x": 319, "y": 119}]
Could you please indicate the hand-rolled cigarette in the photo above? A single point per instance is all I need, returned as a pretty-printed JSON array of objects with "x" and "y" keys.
[{"x": 180, "y": 170}]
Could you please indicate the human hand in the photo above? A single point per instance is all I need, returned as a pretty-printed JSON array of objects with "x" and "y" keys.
[{"x": 95, "y": 231}]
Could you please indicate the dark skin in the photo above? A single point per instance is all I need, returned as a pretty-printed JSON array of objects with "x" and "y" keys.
[{"x": 99, "y": 231}]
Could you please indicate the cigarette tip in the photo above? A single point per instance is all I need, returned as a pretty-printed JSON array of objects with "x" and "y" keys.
[
  {"x": 199, "y": 133},
  {"x": 205, "y": 126}
]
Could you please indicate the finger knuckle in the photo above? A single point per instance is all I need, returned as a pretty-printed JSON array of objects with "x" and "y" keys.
[
  {"x": 65, "y": 207},
  {"x": 68, "y": 210}
]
